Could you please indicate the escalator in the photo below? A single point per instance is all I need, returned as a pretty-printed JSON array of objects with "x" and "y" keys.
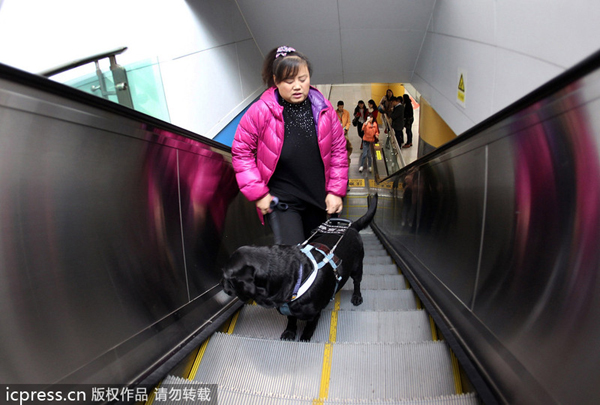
[
  {"x": 115, "y": 225},
  {"x": 384, "y": 351}
]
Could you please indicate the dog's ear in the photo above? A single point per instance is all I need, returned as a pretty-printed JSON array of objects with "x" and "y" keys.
[{"x": 240, "y": 281}]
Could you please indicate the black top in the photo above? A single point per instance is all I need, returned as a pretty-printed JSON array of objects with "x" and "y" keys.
[
  {"x": 408, "y": 110},
  {"x": 398, "y": 117},
  {"x": 300, "y": 174}
]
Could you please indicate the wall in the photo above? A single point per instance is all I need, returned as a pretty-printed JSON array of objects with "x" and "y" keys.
[
  {"x": 209, "y": 62},
  {"x": 433, "y": 130},
  {"x": 506, "y": 48}
]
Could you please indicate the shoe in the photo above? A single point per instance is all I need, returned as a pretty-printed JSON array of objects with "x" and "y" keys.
[
  {"x": 370, "y": 170},
  {"x": 360, "y": 169},
  {"x": 408, "y": 145}
]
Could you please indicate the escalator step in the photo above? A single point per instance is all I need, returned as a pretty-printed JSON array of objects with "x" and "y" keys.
[
  {"x": 358, "y": 370},
  {"x": 227, "y": 395},
  {"x": 380, "y": 269},
  {"x": 378, "y": 300},
  {"x": 383, "y": 326},
  {"x": 352, "y": 326},
  {"x": 276, "y": 366},
  {"x": 392, "y": 281},
  {"x": 391, "y": 370}
]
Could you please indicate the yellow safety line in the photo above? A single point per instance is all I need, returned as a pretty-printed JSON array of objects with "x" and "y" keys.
[
  {"x": 434, "y": 335},
  {"x": 456, "y": 372},
  {"x": 197, "y": 361},
  {"x": 232, "y": 323},
  {"x": 327, "y": 354},
  {"x": 152, "y": 395}
]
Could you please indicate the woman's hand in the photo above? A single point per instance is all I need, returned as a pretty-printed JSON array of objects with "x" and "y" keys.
[
  {"x": 264, "y": 204},
  {"x": 334, "y": 204}
]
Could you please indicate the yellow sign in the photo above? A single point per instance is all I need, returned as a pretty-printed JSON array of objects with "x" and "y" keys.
[
  {"x": 378, "y": 154},
  {"x": 356, "y": 182},
  {"x": 461, "y": 94}
]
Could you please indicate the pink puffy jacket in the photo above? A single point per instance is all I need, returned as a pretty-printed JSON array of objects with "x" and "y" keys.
[{"x": 259, "y": 138}]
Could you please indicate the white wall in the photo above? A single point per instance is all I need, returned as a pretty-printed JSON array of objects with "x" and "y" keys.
[
  {"x": 507, "y": 49},
  {"x": 209, "y": 63}
]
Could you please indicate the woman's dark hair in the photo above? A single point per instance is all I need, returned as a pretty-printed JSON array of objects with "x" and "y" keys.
[
  {"x": 386, "y": 93},
  {"x": 283, "y": 67},
  {"x": 406, "y": 99},
  {"x": 372, "y": 102}
]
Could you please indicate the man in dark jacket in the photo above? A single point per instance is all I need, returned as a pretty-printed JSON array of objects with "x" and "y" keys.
[{"x": 398, "y": 119}]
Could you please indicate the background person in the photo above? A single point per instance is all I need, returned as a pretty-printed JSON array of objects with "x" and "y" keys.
[
  {"x": 397, "y": 117},
  {"x": 372, "y": 109},
  {"x": 344, "y": 117},
  {"x": 290, "y": 144},
  {"x": 360, "y": 112},
  {"x": 371, "y": 132},
  {"x": 409, "y": 118},
  {"x": 385, "y": 105}
]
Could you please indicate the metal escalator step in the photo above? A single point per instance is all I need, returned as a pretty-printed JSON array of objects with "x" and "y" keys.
[
  {"x": 379, "y": 282},
  {"x": 378, "y": 300},
  {"x": 258, "y": 322},
  {"x": 352, "y": 326},
  {"x": 227, "y": 395},
  {"x": 377, "y": 260},
  {"x": 271, "y": 366},
  {"x": 463, "y": 399},
  {"x": 383, "y": 326},
  {"x": 375, "y": 252},
  {"x": 367, "y": 371},
  {"x": 379, "y": 269},
  {"x": 390, "y": 370}
]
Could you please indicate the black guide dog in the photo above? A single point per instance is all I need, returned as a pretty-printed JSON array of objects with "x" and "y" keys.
[{"x": 281, "y": 276}]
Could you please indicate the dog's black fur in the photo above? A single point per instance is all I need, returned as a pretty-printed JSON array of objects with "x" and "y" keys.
[{"x": 268, "y": 274}]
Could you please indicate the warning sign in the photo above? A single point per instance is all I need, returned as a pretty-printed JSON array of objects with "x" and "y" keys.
[
  {"x": 462, "y": 88},
  {"x": 356, "y": 182}
]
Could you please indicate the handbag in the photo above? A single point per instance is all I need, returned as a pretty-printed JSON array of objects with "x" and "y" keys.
[{"x": 355, "y": 121}]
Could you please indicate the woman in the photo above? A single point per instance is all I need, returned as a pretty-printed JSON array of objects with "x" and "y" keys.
[
  {"x": 371, "y": 131},
  {"x": 372, "y": 108},
  {"x": 290, "y": 145},
  {"x": 385, "y": 105},
  {"x": 360, "y": 112},
  {"x": 409, "y": 118}
]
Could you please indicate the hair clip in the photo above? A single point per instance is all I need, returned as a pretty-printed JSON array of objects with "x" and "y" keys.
[{"x": 283, "y": 51}]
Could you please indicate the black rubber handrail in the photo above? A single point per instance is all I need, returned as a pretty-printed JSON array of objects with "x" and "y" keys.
[{"x": 44, "y": 84}]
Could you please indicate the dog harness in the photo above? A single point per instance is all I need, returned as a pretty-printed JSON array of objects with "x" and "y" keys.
[{"x": 332, "y": 226}]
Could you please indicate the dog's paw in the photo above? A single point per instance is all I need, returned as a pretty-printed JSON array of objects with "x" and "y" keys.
[
  {"x": 288, "y": 335},
  {"x": 305, "y": 338},
  {"x": 357, "y": 299}
]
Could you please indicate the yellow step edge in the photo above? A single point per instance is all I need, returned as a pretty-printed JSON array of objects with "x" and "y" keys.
[
  {"x": 327, "y": 354},
  {"x": 197, "y": 361},
  {"x": 456, "y": 371}
]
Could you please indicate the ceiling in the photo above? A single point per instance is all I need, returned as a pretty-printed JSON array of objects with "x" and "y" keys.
[{"x": 347, "y": 41}]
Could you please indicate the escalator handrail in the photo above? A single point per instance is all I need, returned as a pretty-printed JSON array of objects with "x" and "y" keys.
[
  {"x": 42, "y": 83},
  {"x": 83, "y": 61}
]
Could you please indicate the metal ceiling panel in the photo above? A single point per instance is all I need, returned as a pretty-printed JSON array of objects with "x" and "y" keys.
[{"x": 347, "y": 41}]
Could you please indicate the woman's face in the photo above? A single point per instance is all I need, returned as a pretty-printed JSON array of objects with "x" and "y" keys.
[
  {"x": 388, "y": 93},
  {"x": 295, "y": 89}
]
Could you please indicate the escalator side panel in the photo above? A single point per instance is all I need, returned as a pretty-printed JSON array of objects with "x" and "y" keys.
[
  {"x": 112, "y": 232},
  {"x": 502, "y": 230}
]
